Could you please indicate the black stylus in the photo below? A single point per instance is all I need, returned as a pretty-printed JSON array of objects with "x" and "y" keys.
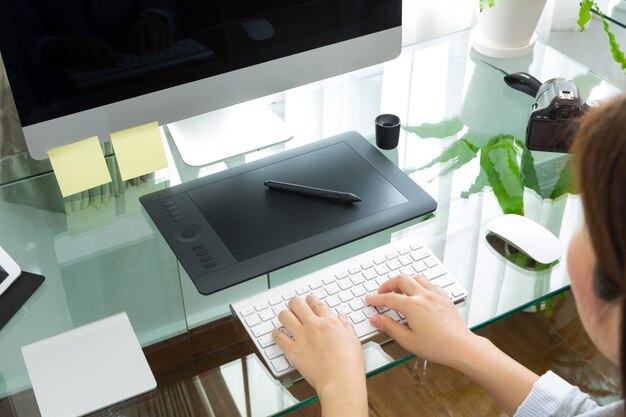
[{"x": 313, "y": 191}]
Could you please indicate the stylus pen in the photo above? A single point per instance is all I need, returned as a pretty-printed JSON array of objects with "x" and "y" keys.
[{"x": 313, "y": 191}]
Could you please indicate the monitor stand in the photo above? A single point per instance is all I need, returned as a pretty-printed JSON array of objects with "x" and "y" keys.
[{"x": 227, "y": 132}]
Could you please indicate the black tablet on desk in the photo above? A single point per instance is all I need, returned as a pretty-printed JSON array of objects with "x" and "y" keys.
[{"x": 228, "y": 227}]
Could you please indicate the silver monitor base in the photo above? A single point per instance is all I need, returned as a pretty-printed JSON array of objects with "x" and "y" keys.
[{"x": 227, "y": 132}]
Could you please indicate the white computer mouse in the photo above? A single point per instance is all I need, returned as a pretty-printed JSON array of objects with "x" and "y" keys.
[{"x": 528, "y": 236}]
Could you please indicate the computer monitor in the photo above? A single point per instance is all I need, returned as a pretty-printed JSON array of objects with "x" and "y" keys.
[{"x": 83, "y": 68}]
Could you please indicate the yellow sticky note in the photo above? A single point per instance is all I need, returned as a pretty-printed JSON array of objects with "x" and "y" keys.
[
  {"x": 139, "y": 150},
  {"x": 79, "y": 166}
]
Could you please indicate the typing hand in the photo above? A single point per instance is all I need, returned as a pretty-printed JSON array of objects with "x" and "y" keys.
[
  {"x": 435, "y": 327},
  {"x": 324, "y": 347}
]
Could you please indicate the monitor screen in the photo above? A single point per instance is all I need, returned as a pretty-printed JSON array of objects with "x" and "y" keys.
[{"x": 70, "y": 56}]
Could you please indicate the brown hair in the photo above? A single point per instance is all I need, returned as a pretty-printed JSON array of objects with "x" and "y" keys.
[{"x": 600, "y": 156}]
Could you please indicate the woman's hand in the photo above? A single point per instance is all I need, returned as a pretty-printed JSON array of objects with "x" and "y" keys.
[
  {"x": 435, "y": 327},
  {"x": 325, "y": 349}
]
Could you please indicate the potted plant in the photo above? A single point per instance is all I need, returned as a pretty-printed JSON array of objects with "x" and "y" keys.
[{"x": 509, "y": 30}]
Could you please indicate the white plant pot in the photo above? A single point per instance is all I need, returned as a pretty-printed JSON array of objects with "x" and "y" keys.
[{"x": 508, "y": 30}]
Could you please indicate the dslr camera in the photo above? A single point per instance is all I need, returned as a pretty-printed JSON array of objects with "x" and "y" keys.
[{"x": 554, "y": 117}]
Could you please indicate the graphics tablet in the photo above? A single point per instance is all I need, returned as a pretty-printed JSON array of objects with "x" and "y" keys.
[{"x": 228, "y": 227}]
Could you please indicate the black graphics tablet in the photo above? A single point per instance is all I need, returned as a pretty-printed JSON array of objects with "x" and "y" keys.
[{"x": 228, "y": 227}]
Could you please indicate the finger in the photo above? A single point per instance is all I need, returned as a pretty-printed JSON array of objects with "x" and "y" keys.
[
  {"x": 301, "y": 309},
  {"x": 391, "y": 328},
  {"x": 401, "y": 283},
  {"x": 391, "y": 300},
  {"x": 425, "y": 283},
  {"x": 283, "y": 341},
  {"x": 319, "y": 308},
  {"x": 441, "y": 291},
  {"x": 343, "y": 318},
  {"x": 290, "y": 321}
]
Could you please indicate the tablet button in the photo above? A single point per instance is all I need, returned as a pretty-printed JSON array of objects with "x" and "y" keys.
[
  {"x": 168, "y": 203},
  {"x": 199, "y": 247},
  {"x": 175, "y": 213},
  {"x": 203, "y": 253},
  {"x": 178, "y": 219},
  {"x": 210, "y": 265},
  {"x": 188, "y": 233}
]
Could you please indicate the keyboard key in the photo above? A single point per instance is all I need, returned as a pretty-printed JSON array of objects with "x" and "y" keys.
[
  {"x": 332, "y": 289},
  {"x": 356, "y": 304},
  {"x": 364, "y": 329},
  {"x": 370, "y": 274},
  {"x": 343, "y": 309},
  {"x": 277, "y": 324},
  {"x": 261, "y": 306},
  {"x": 419, "y": 254},
  {"x": 443, "y": 281},
  {"x": 320, "y": 293},
  {"x": 277, "y": 309},
  {"x": 369, "y": 311},
  {"x": 333, "y": 301},
  {"x": 329, "y": 280},
  {"x": 262, "y": 329},
  {"x": 392, "y": 314},
  {"x": 342, "y": 275},
  {"x": 266, "y": 314},
  {"x": 404, "y": 250},
  {"x": 431, "y": 262},
  {"x": 382, "y": 270},
  {"x": 371, "y": 286},
  {"x": 344, "y": 284},
  {"x": 356, "y": 317},
  {"x": 367, "y": 265},
  {"x": 303, "y": 290},
  {"x": 380, "y": 260},
  {"x": 408, "y": 271},
  {"x": 247, "y": 311},
  {"x": 393, "y": 265},
  {"x": 416, "y": 246},
  {"x": 354, "y": 270},
  {"x": 346, "y": 296},
  {"x": 357, "y": 279},
  {"x": 419, "y": 266},
  {"x": 315, "y": 285},
  {"x": 280, "y": 364},
  {"x": 358, "y": 291},
  {"x": 289, "y": 295},
  {"x": 253, "y": 320},
  {"x": 266, "y": 340},
  {"x": 273, "y": 352},
  {"x": 275, "y": 300},
  {"x": 392, "y": 255},
  {"x": 406, "y": 260},
  {"x": 431, "y": 274}
]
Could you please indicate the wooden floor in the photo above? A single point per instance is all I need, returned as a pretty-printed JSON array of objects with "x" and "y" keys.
[{"x": 190, "y": 383}]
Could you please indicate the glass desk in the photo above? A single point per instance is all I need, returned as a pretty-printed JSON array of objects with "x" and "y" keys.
[{"x": 101, "y": 254}]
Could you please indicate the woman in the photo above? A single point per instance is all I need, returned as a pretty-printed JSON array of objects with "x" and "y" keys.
[{"x": 326, "y": 351}]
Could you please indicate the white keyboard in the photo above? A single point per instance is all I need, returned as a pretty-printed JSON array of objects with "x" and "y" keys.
[{"x": 342, "y": 287}]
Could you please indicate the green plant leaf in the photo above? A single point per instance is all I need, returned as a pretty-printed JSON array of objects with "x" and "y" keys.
[
  {"x": 457, "y": 154},
  {"x": 481, "y": 181},
  {"x": 485, "y": 4},
  {"x": 616, "y": 52},
  {"x": 565, "y": 183},
  {"x": 441, "y": 130},
  {"x": 529, "y": 174},
  {"x": 499, "y": 159},
  {"x": 584, "y": 13}
]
